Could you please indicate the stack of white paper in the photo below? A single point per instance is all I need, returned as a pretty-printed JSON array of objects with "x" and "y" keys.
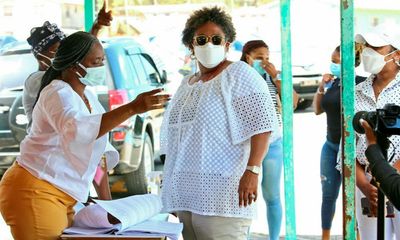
[{"x": 133, "y": 212}]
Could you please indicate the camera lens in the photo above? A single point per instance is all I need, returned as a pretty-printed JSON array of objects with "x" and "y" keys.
[{"x": 356, "y": 121}]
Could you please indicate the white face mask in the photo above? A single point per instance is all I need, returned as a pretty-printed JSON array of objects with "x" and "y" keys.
[
  {"x": 94, "y": 75},
  {"x": 373, "y": 61},
  {"x": 210, "y": 55},
  {"x": 46, "y": 57}
]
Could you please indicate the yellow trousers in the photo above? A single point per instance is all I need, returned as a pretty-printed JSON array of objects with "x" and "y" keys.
[{"x": 33, "y": 208}]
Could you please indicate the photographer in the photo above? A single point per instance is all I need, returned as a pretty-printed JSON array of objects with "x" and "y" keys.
[
  {"x": 380, "y": 57},
  {"x": 385, "y": 175}
]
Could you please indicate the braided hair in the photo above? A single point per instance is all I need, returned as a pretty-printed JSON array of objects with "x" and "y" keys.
[{"x": 72, "y": 50}]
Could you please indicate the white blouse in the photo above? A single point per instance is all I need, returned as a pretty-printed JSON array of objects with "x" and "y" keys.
[
  {"x": 31, "y": 89},
  {"x": 366, "y": 101},
  {"x": 206, "y": 138},
  {"x": 61, "y": 146}
]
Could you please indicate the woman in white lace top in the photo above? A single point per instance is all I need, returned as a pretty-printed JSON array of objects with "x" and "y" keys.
[
  {"x": 215, "y": 135},
  {"x": 381, "y": 58}
]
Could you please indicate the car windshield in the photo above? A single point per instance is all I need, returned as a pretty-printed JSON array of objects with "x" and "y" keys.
[{"x": 17, "y": 64}]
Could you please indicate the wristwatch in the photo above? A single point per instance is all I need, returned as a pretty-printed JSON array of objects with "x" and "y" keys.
[{"x": 254, "y": 169}]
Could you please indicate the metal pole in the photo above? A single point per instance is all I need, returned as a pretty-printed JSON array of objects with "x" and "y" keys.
[
  {"x": 89, "y": 14},
  {"x": 347, "y": 101},
  {"x": 287, "y": 103},
  {"x": 384, "y": 143}
]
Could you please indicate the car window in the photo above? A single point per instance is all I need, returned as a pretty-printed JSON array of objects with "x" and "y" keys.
[
  {"x": 151, "y": 73},
  {"x": 138, "y": 72},
  {"x": 144, "y": 70},
  {"x": 15, "y": 69}
]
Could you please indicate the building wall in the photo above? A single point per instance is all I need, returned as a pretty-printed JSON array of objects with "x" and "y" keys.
[
  {"x": 21, "y": 16},
  {"x": 365, "y": 19},
  {"x": 72, "y": 16}
]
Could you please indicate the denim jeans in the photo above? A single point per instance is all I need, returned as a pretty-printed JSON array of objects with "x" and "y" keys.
[
  {"x": 270, "y": 185},
  {"x": 330, "y": 181}
]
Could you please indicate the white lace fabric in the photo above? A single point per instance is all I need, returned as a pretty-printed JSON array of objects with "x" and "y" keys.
[
  {"x": 365, "y": 101},
  {"x": 206, "y": 138}
]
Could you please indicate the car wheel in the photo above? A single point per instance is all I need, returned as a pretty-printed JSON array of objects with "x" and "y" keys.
[
  {"x": 17, "y": 119},
  {"x": 136, "y": 182}
]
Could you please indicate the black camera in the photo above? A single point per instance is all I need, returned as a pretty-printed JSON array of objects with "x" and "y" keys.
[
  {"x": 385, "y": 121},
  {"x": 366, "y": 208}
]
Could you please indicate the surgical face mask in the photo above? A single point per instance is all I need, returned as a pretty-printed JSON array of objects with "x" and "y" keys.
[
  {"x": 335, "y": 69},
  {"x": 257, "y": 65},
  {"x": 46, "y": 57},
  {"x": 373, "y": 61},
  {"x": 94, "y": 75},
  {"x": 210, "y": 55}
]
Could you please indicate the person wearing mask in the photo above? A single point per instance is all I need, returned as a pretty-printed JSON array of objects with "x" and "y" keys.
[
  {"x": 256, "y": 54},
  {"x": 215, "y": 135},
  {"x": 385, "y": 175},
  {"x": 381, "y": 58},
  {"x": 68, "y": 137},
  {"x": 327, "y": 99},
  {"x": 44, "y": 42}
]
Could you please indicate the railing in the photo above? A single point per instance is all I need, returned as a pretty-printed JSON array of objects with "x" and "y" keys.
[
  {"x": 347, "y": 100},
  {"x": 287, "y": 116},
  {"x": 348, "y": 145}
]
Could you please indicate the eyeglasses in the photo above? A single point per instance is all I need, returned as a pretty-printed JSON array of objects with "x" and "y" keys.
[{"x": 202, "y": 40}]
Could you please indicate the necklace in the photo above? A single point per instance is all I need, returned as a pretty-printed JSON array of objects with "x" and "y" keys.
[{"x": 87, "y": 103}]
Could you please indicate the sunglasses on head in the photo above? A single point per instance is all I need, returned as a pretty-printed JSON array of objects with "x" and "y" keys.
[{"x": 202, "y": 40}]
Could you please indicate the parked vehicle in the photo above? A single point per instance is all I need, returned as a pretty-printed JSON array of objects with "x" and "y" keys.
[
  {"x": 306, "y": 74},
  {"x": 5, "y": 40},
  {"x": 130, "y": 71},
  {"x": 306, "y": 78}
]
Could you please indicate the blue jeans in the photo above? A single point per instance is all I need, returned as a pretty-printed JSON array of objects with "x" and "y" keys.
[
  {"x": 270, "y": 185},
  {"x": 330, "y": 181}
]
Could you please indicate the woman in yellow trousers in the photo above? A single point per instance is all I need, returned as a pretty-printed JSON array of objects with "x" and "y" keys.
[{"x": 68, "y": 137}]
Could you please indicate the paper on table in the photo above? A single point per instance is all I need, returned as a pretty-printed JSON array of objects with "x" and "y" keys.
[
  {"x": 92, "y": 216},
  {"x": 171, "y": 230},
  {"x": 132, "y": 210},
  {"x": 93, "y": 219},
  {"x": 88, "y": 231}
]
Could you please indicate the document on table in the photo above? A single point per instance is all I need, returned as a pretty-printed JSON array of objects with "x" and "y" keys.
[{"x": 133, "y": 212}]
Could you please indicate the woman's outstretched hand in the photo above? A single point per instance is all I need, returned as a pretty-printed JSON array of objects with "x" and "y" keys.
[{"x": 150, "y": 100}]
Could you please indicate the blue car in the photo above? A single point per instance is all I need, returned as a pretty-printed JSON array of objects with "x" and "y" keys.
[
  {"x": 6, "y": 41},
  {"x": 131, "y": 70}
]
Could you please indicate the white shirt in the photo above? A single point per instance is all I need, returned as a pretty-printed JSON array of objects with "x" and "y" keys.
[
  {"x": 206, "y": 136},
  {"x": 365, "y": 101},
  {"x": 61, "y": 146},
  {"x": 31, "y": 89}
]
